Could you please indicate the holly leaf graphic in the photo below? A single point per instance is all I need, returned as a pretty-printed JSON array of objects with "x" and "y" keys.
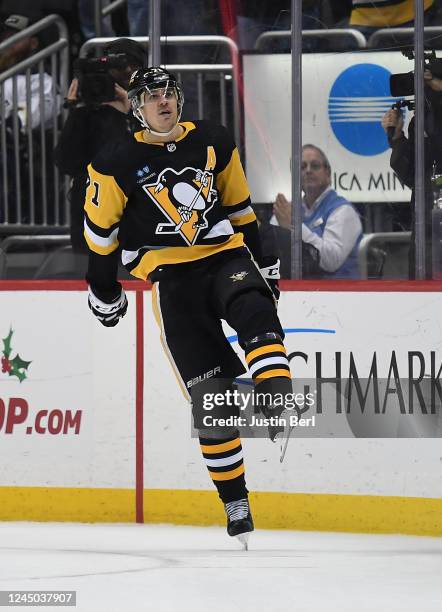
[
  {"x": 20, "y": 375},
  {"x": 7, "y": 344},
  {"x": 19, "y": 367},
  {"x": 18, "y": 363}
]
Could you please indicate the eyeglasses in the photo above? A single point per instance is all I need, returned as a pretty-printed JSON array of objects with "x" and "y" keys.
[{"x": 314, "y": 165}]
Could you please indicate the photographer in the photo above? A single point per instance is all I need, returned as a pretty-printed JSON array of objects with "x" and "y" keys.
[
  {"x": 98, "y": 116},
  {"x": 402, "y": 157}
]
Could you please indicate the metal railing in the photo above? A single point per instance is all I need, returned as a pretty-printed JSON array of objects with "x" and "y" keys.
[
  {"x": 32, "y": 195},
  {"x": 395, "y": 246},
  {"x": 100, "y": 12},
  {"x": 2, "y": 264},
  {"x": 397, "y": 36},
  {"x": 223, "y": 70},
  {"x": 64, "y": 263},
  {"x": 338, "y": 33},
  {"x": 24, "y": 254},
  {"x": 18, "y": 242}
]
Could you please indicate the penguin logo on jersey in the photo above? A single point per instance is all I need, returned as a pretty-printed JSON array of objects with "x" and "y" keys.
[{"x": 185, "y": 197}]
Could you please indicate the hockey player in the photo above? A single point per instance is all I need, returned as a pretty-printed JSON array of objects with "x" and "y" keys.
[{"x": 175, "y": 200}]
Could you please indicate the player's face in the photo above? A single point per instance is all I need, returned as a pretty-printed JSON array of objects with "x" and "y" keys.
[
  {"x": 315, "y": 174},
  {"x": 160, "y": 108}
]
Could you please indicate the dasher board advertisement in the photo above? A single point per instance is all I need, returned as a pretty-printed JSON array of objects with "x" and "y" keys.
[
  {"x": 344, "y": 97},
  {"x": 67, "y": 393}
]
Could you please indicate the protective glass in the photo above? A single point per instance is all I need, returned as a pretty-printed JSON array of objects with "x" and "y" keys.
[{"x": 314, "y": 165}]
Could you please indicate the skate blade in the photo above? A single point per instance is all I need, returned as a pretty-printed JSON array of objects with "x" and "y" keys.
[
  {"x": 284, "y": 441},
  {"x": 244, "y": 539}
]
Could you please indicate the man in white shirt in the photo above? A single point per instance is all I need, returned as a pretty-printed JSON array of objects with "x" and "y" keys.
[
  {"x": 330, "y": 223},
  {"x": 30, "y": 105},
  {"x": 30, "y": 97}
]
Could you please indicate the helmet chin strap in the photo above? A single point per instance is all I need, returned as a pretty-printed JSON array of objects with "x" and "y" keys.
[{"x": 151, "y": 131}]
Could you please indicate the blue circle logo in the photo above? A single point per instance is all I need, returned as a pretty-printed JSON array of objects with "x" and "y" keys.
[{"x": 358, "y": 100}]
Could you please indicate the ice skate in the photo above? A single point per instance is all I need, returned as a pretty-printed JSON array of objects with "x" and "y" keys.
[
  {"x": 284, "y": 440},
  {"x": 239, "y": 520},
  {"x": 276, "y": 431},
  {"x": 282, "y": 434}
]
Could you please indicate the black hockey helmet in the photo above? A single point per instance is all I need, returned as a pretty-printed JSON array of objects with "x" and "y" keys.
[{"x": 145, "y": 80}]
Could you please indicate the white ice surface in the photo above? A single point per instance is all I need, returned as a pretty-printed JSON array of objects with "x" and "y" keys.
[{"x": 131, "y": 568}]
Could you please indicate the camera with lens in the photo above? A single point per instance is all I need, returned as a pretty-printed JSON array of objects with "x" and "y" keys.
[
  {"x": 410, "y": 104},
  {"x": 95, "y": 83},
  {"x": 403, "y": 84}
]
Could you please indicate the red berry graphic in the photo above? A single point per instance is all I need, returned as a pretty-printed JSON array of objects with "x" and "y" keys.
[{"x": 6, "y": 366}]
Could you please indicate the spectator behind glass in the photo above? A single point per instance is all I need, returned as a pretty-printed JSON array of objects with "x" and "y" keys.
[
  {"x": 190, "y": 18},
  {"x": 245, "y": 20},
  {"x": 367, "y": 17},
  {"x": 138, "y": 17},
  {"x": 90, "y": 127},
  {"x": 40, "y": 111},
  {"x": 86, "y": 16},
  {"x": 177, "y": 19},
  {"x": 13, "y": 55},
  {"x": 330, "y": 223},
  {"x": 402, "y": 158}
]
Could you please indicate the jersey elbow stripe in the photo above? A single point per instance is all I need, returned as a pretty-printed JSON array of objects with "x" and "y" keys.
[
  {"x": 234, "y": 208},
  {"x": 241, "y": 212},
  {"x": 100, "y": 249},
  {"x": 104, "y": 232},
  {"x": 239, "y": 219},
  {"x": 101, "y": 241}
]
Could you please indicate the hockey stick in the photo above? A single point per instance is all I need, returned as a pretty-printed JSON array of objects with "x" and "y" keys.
[{"x": 179, "y": 225}]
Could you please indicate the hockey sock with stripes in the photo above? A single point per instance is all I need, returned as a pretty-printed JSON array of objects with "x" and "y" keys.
[
  {"x": 224, "y": 460},
  {"x": 268, "y": 365},
  {"x": 266, "y": 358}
]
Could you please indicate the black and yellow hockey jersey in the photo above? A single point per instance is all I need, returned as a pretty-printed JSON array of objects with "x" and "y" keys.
[
  {"x": 384, "y": 13},
  {"x": 167, "y": 203}
]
